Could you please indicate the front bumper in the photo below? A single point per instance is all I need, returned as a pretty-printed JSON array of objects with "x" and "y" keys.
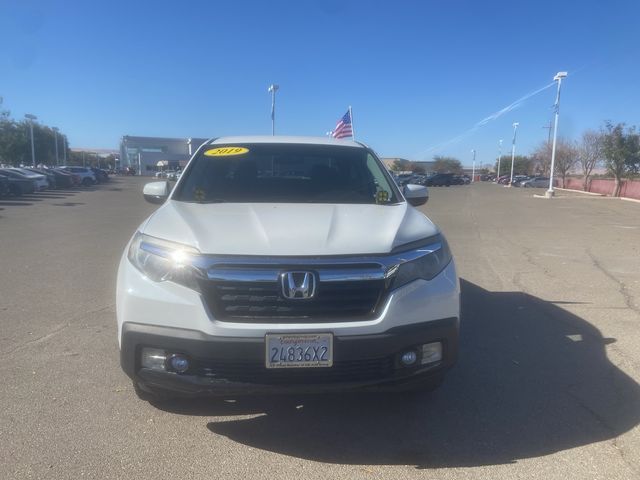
[{"x": 225, "y": 366}]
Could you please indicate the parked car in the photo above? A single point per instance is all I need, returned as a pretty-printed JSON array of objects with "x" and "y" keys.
[
  {"x": 404, "y": 179},
  {"x": 518, "y": 179},
  {"x": 323, "y": 279},
  {"x": 461, "y": 180},
  {"x": 504, "y": 179},
  {"x": 536, "y": 182},
  {"x": 5, "y": 189},
  {"x": 18, "y": 184},
  {"x": 51, "y": 178},
  {"x": 100, "y": 174},
  {"x": 87, "y": 177},
  {"x": 63, "y": 179},
  {"x": 441, "y": 180},
  {"x": 76, "y": 180},
  {"x": 40, "y": 181}
]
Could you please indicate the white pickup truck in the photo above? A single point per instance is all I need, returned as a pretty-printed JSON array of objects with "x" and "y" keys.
[{"x": 286, "y": 264}]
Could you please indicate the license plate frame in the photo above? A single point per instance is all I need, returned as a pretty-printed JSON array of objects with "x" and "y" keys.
[{"x": 310, "y": 350}]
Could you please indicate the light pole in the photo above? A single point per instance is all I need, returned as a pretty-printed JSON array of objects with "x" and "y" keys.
[
  {"x": 55, "y": 136},
  {"x": 513, "y": 150},
  {"x": 31, "y": 118},
  {"x": 499, "y": 158},
  {"x": 64, "y": 150},
  {"x": 273, "y": 88},
  {"x": 473, "y": 168},
  {"x": 558, "y": 78}
]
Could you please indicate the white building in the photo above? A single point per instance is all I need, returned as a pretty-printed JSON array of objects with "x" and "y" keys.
[{"x": 147, "y": 155}]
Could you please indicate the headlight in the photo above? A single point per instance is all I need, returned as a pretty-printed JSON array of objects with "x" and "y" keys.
[
  {"x": 423, "y": 262},
  {"x": 161, "y": 260}
]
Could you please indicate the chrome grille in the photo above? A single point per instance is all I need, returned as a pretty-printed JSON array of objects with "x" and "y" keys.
[{"x": 246, "y": 301}]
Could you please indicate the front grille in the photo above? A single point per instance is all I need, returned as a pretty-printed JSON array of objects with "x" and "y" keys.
[
  {"x": 257, "y": 373},
  {"x": 244, "y": 301}
]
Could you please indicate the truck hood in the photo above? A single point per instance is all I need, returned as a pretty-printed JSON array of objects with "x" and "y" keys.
[{"x": 289, "y": 229}]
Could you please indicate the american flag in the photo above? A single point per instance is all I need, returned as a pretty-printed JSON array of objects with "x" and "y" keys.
[{"x": 343, "y": 127}]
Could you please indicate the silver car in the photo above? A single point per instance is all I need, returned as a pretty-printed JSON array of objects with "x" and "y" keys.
[{"x": 536, "y": 182}]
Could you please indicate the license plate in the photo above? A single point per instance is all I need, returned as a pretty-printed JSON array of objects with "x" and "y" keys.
[{"x": 299, "y": 351}]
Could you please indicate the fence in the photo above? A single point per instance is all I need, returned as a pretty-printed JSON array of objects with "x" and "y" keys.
[{"x": 605, "y": 186}]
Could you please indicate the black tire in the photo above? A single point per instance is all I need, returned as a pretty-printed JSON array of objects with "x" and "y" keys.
[{"x": 86, "y": 182}]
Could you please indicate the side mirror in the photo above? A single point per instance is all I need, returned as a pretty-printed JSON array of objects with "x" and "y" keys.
[
  {"x": 416, "y": 194},
  {"x": 156, "y": 192}
]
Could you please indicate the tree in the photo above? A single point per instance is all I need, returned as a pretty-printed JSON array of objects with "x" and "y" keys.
[
  {"x": 589, "y": 154},
  {"x": 400, "y": 165},
  {"x": 566, "y": 158},
  {"x": 522, "y": 165},
  {"x": 621, "y": 152},
  {"x": 541, "y": 159},
  {"x": 447, "y": 165},
  {"x": 15, "y": 142},
  {"x": 416, "y": 168}
]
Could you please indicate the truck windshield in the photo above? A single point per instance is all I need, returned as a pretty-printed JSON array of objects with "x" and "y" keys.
[{"x": 287, "y": 173}]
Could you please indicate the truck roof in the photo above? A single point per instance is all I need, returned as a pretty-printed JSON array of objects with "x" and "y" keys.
[{"x": 284, "y": 139}]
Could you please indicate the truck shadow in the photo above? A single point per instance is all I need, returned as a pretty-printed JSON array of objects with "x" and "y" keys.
[{"x": 532, "y": 379}]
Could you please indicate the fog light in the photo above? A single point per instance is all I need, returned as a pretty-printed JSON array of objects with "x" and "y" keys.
[
  {"x": 178, "y": 363},
  {"x": 153, "y": 358},
  {"x": 409, "y": 358},
  {"x": 431, "y": 353}
]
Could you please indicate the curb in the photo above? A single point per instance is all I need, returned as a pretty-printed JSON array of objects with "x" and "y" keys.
[
  {"x": 580, "y": 191},
  {"x": 626, "y": 199}
]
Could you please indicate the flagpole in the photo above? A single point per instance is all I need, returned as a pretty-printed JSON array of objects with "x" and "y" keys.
[{"x": 353, "y": 132}]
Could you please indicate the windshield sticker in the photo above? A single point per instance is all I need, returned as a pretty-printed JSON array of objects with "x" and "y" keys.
[
  {"x": 382, "y": 196},
  {"x": 226, "y": 151}
]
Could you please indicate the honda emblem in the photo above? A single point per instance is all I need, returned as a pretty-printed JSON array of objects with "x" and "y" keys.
[{"x": 298, "y": 285}]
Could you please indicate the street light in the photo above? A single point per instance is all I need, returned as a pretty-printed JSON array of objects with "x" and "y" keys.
[
  {"x": 273, "y": 88},
  {"x": 55, "y": 136},
  {"x": 31, "y": 118},
  {"x": 473, "y": 168},
  {"x": 558, "y": 78},
  {"x": 499, "y": 158},
  {"x": 513, "y": 150}
]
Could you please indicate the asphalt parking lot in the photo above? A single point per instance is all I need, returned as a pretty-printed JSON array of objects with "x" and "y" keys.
[{"x": 547, "y": 385}]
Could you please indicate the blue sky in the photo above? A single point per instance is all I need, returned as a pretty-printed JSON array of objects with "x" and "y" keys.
[{"x": 417, "y": 73}]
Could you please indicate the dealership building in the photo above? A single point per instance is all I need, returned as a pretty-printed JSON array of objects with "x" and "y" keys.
[
  {"x": 389, "y": 162},
  {"x": 147, "y": 155}
]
